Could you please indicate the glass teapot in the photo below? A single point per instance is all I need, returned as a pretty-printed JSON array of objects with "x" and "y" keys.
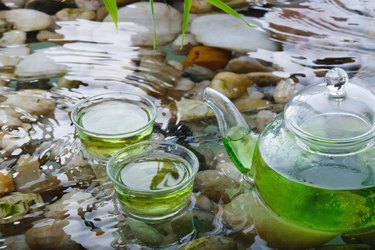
[{"x": 314, "y": 165}]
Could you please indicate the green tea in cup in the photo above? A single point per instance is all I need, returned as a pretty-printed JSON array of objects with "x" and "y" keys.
[
  {"x": 153, "y": 180},
  {"x": 108, "y": 122}
]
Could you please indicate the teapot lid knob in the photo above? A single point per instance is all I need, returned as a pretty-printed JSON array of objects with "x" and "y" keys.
[{"x": 336, "y": 80}]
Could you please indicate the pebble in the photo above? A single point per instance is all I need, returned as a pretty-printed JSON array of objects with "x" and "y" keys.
[
  {"x": 204, "y": 203},
  {"x": 189, "y": 41},
  {"x": 207, "y": 183},
  {"x": 199, "y": 73},
  {"x": 227, "y": 32},
  {"x": 188, "y": 110},
  {"x": 245, "y": 64},
  {"x": 284, "y": 90},
  {"x": 14, "y": 4},
  {"x": 21, "y": 19},
  {"x": 237, "y": 214},
  {"x": 45, "y": 35},
  {"x": 50, "y": 234},
  {"x": 139, "y": 23},
  {"x": 11, "y": 56},
  {"x": 184, "y": 84},
  {"x": 211, "y": 242},
  {"x": 230, "y": 170},
  {"x": 89, "y": 4},
  {"x": 230, "y": 84},
  {"x": 199, "y": 7},
  {"x": 249, "y": 104},
  {"x": 6, "y": 182},
  {"x": 211, "y": 58},
  {"x": 70, "y": 14},
  {"x": 263, "y": 79},
  {"x": 34, "y": 102},
  {"x": 264, "y": 117},
  {"x": 13, "y": 37},
  {"x": 38, "y": 64}
]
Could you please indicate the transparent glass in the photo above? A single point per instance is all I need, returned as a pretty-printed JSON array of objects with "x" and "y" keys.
[
  {"x": 108, "y": 122},
  {"x": 153, "y": 180}
]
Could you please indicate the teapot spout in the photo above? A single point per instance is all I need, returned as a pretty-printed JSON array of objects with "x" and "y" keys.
[{"x": 239, "y": 140}]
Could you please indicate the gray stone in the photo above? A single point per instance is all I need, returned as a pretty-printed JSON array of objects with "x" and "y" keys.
[{"x": 27, "y": 19}]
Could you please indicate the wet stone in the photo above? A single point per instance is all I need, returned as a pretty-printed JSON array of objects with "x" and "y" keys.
[
  {"x": 230, "y": 84},
  {"x": 45, "y": 35},
  {"x": 250, "y": 104},
  {"x": 192, "y": 109},
  {"x": 264, "y": 118},
  {"x": 38, "y": 64},
  {"x": 211, "y": 242},
  {"x": 14, "y": 4},
  {"x": 245, "y": 64},
  {"x": 89, "y": 4},
  {"x": 284, "y": 90},
  {"x": 198, "y": 7},
  {"x": 180, "y": 47},
  {"x": 207, "y": 57},
  {"x": 215, "y": 185},
  {"x": 74, "y": 14},
  {"x": 264, "y": 78},
  {"x": 198, "y": 73},
  {"x": 50, "y": 234},
  {"x": 13, "y": 37}
]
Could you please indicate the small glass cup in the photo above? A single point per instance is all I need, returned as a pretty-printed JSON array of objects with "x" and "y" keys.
[
  {"x": 153, "y": 180},
  {"x": 108, "y": 122}
]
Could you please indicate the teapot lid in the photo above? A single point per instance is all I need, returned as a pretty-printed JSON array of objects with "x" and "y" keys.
[{"x": 335, "y": 113}]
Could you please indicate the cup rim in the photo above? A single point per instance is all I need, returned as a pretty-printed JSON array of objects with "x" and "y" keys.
[
  {"x": 194, "y": 166},
  {"x": 76, "y": 107}
]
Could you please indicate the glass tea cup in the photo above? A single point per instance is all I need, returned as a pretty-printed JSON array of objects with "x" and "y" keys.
[
  {"x": 153, "y": 180},
  {"x": 106, "y": 123}
]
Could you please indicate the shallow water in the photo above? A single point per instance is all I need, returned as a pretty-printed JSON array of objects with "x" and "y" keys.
[{"x": 313, "y": 36}]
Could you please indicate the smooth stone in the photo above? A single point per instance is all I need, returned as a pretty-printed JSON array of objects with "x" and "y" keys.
[
  {"x": 204, "y": 203},
  {"x": 10, "y": 143},
  {"x": 34, "y": 102},
  {"x": 237, "y": 214},
  {"x": 19, "y": 204},
  {"x": 14, "y": 4},
  {"x": 6, "y": 181},
  {"x": 211, "y": 242},
  {"x": 199, "y": 7},
  {"x": 30, "y": 178},
  {"x": 49, "y": 7},
  {"x": 5, "y": 78},
  {"x": 211, "y": 58},
  {"x": 197, "y": 92},
  {"x": 45, "y": 35},
  {"x": 5, "y": 26},
  {"x": 263, "y": 79},
  {"x": 101, "y": 13},
  {"x": 188, "y": 109},
  {"x": 230, "y": 170},
  {"x": 285, "y": 89},
  {"x": 50, "y": 234},
  {"x": 13, "y": 37},
  {"x": 89, "y": 4},
  {"x": 189, "y": 41},
  {"x": 184, "y": 84},
  {"x": 199, "y": 73},
  {"x": 256, "y": 95},
  {"x": 264, "y": 117},
  {"x": 137, "y": 16},
  {"x": 209, "y": 30},
  {"x": 207, "y": 183},
  {"x": 247, "y": 103},
  {"x": 11, "y": 56},
  {"x": 21, "y": 19},
  {"x": 230, "y": 84},
  {"x": 161, "y": 70},
  {"x": 245, "y": 64},
  {"x": 38, "y": 64},
  {"x": 70, "y": 14}
]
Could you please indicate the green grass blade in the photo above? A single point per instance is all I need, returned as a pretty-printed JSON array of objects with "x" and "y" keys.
[
  {"x": 224, "y": 7},
  {"x": 111, "y": 6},
  {"x": 153, "y": 21},
  {"x": 185, "y": 19}
]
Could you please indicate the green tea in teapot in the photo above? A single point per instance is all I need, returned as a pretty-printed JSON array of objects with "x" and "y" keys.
[{"x": 325, "y": 193}]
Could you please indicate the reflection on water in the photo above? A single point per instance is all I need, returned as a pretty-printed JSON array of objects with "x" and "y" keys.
[{"x": 39, "y": 151}]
